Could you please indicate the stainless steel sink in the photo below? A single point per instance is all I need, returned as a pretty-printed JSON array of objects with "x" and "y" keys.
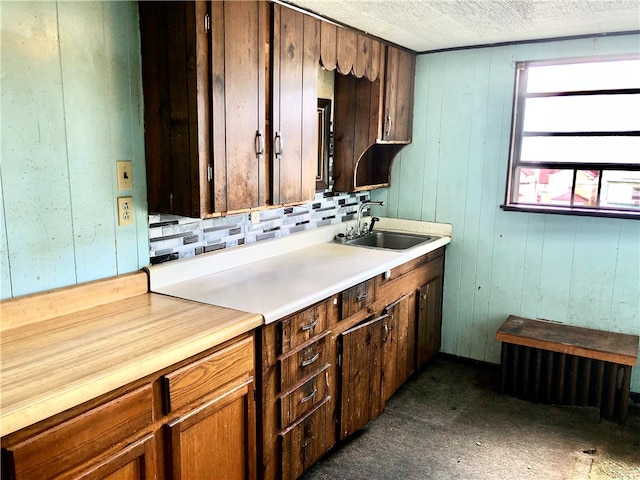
[{"x": 388, "y": 240}]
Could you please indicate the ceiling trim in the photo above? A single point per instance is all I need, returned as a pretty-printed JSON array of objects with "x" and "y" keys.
[{"x": 536, "y": 40}]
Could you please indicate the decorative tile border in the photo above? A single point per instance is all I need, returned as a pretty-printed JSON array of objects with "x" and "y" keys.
[{"x": 172, "y": 237}]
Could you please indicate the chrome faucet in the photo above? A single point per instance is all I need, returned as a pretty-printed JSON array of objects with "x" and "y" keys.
[{"x": 362, "y": 206}]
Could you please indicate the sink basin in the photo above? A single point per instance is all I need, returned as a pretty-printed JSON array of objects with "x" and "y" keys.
[{"x": 389, "y": 240}]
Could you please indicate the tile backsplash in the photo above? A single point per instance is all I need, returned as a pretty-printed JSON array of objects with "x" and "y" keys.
[{"x": 172, "y": 237}]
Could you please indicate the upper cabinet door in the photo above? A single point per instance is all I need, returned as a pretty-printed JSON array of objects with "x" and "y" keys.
[
  {"x": 398, "y": 95},
  {"x": 203, "y": 72},
  {"x": 238, "y": 34},
  {"x": 175, "y": 60},
  {"x": 295, "y": 54}
]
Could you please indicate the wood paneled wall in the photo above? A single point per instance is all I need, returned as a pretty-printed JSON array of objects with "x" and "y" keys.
[
  {"x": 71, "y": 107},
  {"x": 580, "y": 270}
]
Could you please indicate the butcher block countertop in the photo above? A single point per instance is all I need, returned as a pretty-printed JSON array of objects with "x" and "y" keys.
[{"x": 64, "y": 347}]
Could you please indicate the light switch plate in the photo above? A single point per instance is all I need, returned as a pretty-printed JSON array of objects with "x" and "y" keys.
[
  {"x": 125, "y": 211},
  {"x": 125, "y": 174}
]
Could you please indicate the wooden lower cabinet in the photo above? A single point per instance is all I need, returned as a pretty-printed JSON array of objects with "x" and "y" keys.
[
  {"x": 304, "y": 442},
  {"x": 399, "y": 344},
  {"x": 329, "y": 369},
  {"x": 298, "y": 391},
  {"x": 137, "y": 461},
  {"x": 379, "y": 353},
  {"x": 377, "y": 357},
  {"x": 210, "y": 442},
  {"x": 361, "y": 373},
  {"x": 191, "y": 421},
  {"x": 429, "y": 320}
]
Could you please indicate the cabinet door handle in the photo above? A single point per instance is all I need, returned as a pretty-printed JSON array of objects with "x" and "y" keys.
[
  {"x": 259, "y": 143},
  {"x": 309, "y": 326},
  {"x": 306, "y": 363},
  {"x": 279, "y": 144},
  {"x": 387, "y": 130},
  {"x": 386, "y": 332},
  {"x": 309, "y": 397},
  {"x": 362, "y": 297}
]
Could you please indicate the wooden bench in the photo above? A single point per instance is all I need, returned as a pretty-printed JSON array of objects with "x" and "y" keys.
[{"x": 562, "y": 364}]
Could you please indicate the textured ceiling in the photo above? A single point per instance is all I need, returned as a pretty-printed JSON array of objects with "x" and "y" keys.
[{"x": 424, "y": 25}]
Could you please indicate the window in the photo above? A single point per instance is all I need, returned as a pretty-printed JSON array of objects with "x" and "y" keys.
[{"x": 575, "y": 142}]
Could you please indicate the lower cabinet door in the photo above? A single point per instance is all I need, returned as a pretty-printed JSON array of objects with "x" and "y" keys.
[
  {"x": 361, "y": 372},
  {"x": 216, "y": 440},
  {"x": 429, "y": 321},
  {"x": 398, "y": 357},
  {"x": 304, "y": 442},
  {"x": 76, "y": 447},
  {"x": 136, "y": 461}
]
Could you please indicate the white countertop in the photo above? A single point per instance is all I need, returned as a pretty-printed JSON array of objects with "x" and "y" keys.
[{"x": 276, "y": 278}]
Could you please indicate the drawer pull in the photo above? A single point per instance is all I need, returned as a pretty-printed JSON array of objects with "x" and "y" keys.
[
  {"x": 306, "y": 363},
  {"x": 362, "y": 297},
  {"x": 309, "y": 326},
  {"x": 309, "y": 397}
]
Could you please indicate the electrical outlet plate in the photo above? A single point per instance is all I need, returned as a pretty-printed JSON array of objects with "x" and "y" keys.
[
  {"x": 255, "y": 217},
  {"x": 125, "y": 174},
  {"x": 125, "y": 211}
]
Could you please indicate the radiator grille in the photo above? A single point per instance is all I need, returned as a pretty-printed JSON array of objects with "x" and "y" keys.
[{"x": 563, "y": 379}]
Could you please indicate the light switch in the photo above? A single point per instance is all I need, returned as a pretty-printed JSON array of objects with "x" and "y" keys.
[{"x": 125, "y": 174}]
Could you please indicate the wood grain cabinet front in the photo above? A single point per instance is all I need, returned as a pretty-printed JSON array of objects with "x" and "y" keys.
[
  {"x": 399, "y": 344},
  {"x": 295, "y": 56},
  {"x": 298, "y": 355},
  {"x": 192, "y": 421},
  {"x": 91, "y": 444},
  {"x": 373, "y": 122},
  {"x": 304, "y": 442},
  {"x": 203, "y": 70},
  {"x": 358, "y": 298},
  {"x": 215, "y": 440},
  {"x": 232, "y": 364},
  {"x": 377, "y": 354},
  {"x": 429, "y": 327},
  {"x": 399, "y": 80}
]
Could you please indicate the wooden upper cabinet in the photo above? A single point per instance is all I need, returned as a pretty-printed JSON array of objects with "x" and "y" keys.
[
  {"x": 373, "y": 119},
  {"x": 399, "y": 82},
  {"x": 238, "y": 89},
  {"x": 176, "y": 98},
  {"x": 203, "y": 68},
  {"x": 295, "y": 53}
]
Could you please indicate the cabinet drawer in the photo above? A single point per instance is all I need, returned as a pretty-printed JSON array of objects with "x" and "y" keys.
[
  {"x": 295, "y": 404},
  {"x": 298, "y": 328},
  {"x": 189, "y": 383},
  {"x": 81, "y": 438},
  {"x": 358, "y": 297},
  {"x": 302, "y": 363},
  {"x": 305, "y": 442}
]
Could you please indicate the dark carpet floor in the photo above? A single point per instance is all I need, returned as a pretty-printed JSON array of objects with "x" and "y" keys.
[{"x": 449, "y": 422}]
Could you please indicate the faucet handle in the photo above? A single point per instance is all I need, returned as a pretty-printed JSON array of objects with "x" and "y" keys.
[
  {"x": 373, "y": 222},
  {"x": 350, "y": 232}
]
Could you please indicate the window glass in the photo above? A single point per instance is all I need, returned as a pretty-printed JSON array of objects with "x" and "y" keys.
[
  {"x": 575, "y": 145},
  {"x": 588, "y": 113},
  {"x": 571, "y": 77},
  {"x": 620, "y": 150}
]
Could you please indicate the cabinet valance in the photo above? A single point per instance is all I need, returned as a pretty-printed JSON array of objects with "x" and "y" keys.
[{"x": 349, "y": 52}]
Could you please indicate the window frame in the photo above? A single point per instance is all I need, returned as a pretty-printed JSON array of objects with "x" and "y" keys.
[{"x": 517, "y": 134}]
